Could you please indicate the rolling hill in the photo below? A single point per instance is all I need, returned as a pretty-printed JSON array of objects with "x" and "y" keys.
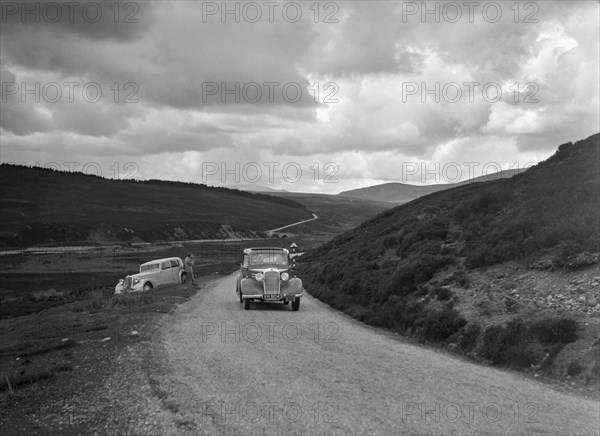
[
  {"x": 488, "y": 269},
  {"x": 44, "y": 206},
  {"x": 399, "y": 193},
  {"x": 337, "y": 214}
]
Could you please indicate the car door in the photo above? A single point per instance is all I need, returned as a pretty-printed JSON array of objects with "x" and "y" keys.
[
  {"x": 166, "y": 273},
  {"x": 175, "y": 270}
]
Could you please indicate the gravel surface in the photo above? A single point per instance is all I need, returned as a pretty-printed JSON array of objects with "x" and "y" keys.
[{"x": 215, "y": 368}]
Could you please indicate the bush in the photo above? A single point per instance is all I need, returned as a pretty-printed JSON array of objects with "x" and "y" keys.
[
  {"x": 97, "y": 300},
  {"x": 439, "y": 325},
  {"x": 501, "y": 343},
  {"x": 469, "y": 336},
  {"x": 442, "y": 293},
  {"x": 415, "y": 272},
  {"x": 556, "y": 330}
]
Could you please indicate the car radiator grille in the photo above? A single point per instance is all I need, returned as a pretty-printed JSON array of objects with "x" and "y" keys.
[
  {"x": 271, "y": 282},
  {"x": 128, "y": 282}
]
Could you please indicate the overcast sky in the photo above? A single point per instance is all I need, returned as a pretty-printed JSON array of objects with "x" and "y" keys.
[{"x": 152, "y": 87}]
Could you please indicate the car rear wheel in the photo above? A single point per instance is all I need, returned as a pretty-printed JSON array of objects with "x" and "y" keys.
[
  {"x": 296, "y": 304},
  {"x": 183, "y": 278},
  {"x": 247, "y": 304},
  {"x": 147, "y": 287}
]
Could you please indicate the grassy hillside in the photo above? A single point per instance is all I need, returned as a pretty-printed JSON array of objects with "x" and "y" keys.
[
  {"x": 403, "y": 268},
  {"x": 45, "y": 206},
  {"x": 400, "y": 193}
]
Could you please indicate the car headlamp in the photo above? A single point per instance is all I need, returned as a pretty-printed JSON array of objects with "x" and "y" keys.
[
  {"x": 285, "y": 276},
  {"x": 136, "y": 281},
  {"x": 259, "y": 277}
]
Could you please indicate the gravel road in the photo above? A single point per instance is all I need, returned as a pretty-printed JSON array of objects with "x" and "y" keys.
[{"x": 219, "y": 369}]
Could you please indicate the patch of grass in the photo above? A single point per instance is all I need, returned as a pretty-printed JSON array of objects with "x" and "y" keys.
[
  {"x": 128, "y": 299},
  {"x": 13, "y": 381},
  {"x": 97, "y": 300},
  {"x": 45, "y": 348},
  {"x": 50, "y": 295}
]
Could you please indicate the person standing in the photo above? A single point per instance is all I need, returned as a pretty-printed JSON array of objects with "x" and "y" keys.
[{"x": 188, "y": 264}]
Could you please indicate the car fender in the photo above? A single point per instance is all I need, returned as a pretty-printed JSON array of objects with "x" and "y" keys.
[
  {"x": 250, "y": 287},
  {"x": 294, "y": 286}
]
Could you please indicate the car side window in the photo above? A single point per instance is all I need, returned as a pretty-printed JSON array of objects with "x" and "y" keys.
[
  {"x": 166, "y": 265},
  {"x": 174, "y": 263}
]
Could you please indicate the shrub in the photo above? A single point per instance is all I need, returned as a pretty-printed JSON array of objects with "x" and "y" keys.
[
  {"x": 556, "y": 330},
  {"x": 439, "y": 325},
  {"x": 442, "y": 293},
  {"x": 97, "y": 300},
  {"x": 469, "y": 336},
  {"x": 358, "y": 312},
  {"x": 501, "y": 343},
  {"x": 416, "y": 271}
]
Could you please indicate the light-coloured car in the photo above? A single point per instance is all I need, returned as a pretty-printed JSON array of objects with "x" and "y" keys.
[
  {"x": 266, "y": 275},
  {"x": 153, "y": 273}
]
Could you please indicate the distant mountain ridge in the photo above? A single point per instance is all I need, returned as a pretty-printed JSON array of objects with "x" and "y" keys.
[{"x": 399, "y": 193}]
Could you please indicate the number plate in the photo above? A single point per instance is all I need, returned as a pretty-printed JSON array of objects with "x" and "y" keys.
[{"x": 272, "y": 296}]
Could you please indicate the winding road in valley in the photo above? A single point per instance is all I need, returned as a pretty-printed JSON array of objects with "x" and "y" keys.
[
  {"x": 314, "y": 217},
  {"x": 219, "y": 369}
]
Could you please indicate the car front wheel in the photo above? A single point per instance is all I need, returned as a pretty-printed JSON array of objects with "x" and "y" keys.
[
  {"x": 147, "y": 287},
  {"x": 296, "y": 304},
  {"x": 183, "y": 278},
  {"x": 247, "y": 304}
]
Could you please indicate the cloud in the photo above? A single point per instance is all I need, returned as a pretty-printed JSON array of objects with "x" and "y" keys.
[{"x": 376, "y": 85}]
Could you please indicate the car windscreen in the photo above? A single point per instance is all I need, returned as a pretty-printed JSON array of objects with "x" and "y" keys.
[
  {"x": 151, "y": 267},
  {"x": 264, "y": 259}
]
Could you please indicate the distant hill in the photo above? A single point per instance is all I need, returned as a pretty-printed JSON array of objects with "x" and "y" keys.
[
  {"x": 399, "y": 193},
  {"x": 421, "y": 268},
  {"x": 44, "y": 206},
  {"x": 336, "y": 213},
  {"x": 253, "y": 187}
]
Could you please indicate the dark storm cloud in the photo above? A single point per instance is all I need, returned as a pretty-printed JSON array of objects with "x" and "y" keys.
[{"x": 93, "y": 20}]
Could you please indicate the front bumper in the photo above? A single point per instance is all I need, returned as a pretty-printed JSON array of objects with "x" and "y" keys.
[
  {"x": 280, "y": 297},
  {"x": 252, "y": 290}
]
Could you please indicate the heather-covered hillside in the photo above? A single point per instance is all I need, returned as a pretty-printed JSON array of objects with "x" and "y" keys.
[{"x": 410, "y": 268}]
